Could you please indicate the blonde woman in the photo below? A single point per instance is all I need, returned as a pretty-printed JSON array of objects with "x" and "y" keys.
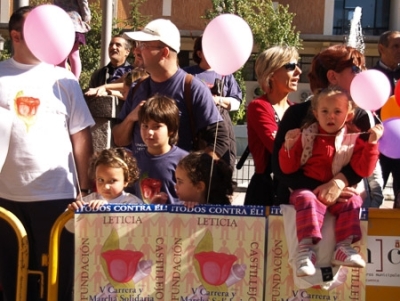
[{"x": 278, "y": 74}]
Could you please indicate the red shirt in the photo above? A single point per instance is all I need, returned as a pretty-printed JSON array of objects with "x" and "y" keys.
[
  {"x": 261, "y": 131},
  {"x": 319, "y": 165}
]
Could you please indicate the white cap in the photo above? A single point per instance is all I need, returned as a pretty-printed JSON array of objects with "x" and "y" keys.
[{"x": 158, "y": 30}]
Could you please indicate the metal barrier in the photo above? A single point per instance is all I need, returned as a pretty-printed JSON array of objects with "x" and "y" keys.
[
  {"x": 242, "y": 177},
  {"x": 55, "y": 234},
  {"x": 23, "y": 256},
  {"x": 50, "y": 260}
]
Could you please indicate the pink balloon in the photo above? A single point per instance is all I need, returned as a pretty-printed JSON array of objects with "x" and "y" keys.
[
  {"x": 389, "y": 142},
  {"x": 227, "y": 43},
  {"x": 49, "y": 33},
  {"x": 370, "y": 89}
]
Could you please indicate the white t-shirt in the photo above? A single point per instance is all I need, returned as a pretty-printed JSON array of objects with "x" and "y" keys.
[{"x": 47, "y": 106}]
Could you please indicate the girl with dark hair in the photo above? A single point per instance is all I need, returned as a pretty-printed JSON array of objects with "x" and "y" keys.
[{"x": 202, "y": 180}]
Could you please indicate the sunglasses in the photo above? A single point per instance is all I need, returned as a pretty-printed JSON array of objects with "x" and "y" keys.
[
  {"x": 355, "y": 69},
  {"x": 291, "y": 66},
  {"x": 142, "y": 45}
]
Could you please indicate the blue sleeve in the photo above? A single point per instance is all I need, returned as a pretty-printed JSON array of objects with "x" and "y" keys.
[{"x": 232, "y": 89}]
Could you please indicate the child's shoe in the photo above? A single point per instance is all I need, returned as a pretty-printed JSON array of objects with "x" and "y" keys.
[
  {"x": 345, "y": 255},
  {"x": 305, "y": 261}
]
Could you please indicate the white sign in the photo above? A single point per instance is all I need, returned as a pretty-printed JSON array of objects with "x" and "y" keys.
[{"x": 383, "y": 268}]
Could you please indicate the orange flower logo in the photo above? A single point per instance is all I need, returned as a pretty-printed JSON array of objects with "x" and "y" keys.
[
  {"x": 122, "y": 264},
  {"x": 215, "y": 267}
]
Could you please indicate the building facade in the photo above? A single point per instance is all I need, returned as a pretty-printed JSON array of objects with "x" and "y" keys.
[{"x": 321, "y": 23}]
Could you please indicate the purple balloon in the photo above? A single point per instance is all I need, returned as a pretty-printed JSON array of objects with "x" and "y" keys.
[{"x": 389, "y": 142}]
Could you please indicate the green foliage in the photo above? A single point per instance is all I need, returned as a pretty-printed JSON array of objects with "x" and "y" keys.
[
  {"x": 91, "y": 52},
  {"x": 6, "y": 53},
  {"x": 136, "y": 19},
  {"x": 269, "y": 27},
  {"x": 239, "y": 116}
]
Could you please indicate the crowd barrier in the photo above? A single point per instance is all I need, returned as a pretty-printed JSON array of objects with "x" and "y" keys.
[{"x": 382, "y": 279}]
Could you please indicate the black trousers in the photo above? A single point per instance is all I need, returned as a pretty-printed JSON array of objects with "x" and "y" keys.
[
  {"x": 390, "y": 165},
  {"x": 261, "y": 190}
]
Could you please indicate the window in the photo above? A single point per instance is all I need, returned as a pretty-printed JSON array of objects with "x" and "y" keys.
[{"x": 374, "y": 16}]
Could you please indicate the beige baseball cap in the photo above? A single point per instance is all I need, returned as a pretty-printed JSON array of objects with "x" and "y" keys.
[{"x": 158, "y": 30}]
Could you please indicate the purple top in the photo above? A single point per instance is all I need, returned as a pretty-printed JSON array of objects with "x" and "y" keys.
[{"x": 204, "y": 110}]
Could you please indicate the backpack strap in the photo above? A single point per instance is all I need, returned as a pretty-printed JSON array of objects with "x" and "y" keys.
[{"x": 187, "y": 94}]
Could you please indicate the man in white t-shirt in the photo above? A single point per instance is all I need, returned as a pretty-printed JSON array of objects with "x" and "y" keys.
[{"x": 44, "y": 160}]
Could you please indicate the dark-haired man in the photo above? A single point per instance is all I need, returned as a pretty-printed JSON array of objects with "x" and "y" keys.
[
  {"x": 46, "y": 146},
  {"x": 389, "y": 64}
]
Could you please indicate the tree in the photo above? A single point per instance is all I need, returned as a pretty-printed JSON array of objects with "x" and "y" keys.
[
  {"x": 270, "y": 26},
  {"x": 90, "y": 53}
]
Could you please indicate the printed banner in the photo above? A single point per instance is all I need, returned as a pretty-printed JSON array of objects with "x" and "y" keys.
[
  {"x": 217, "y": 253},
  {"x": 329, "y": 283},
  {"x": 120, "y": 253},
  {"x": 383, "y": 261},
  {"x": 129, "y": 252}
]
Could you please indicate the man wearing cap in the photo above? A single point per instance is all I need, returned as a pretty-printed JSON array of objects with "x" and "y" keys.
[{"x": 158, "y": 45}]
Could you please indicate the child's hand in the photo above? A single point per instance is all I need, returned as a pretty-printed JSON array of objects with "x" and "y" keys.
[
  {"x": 291, "y": 138},
  {"x": 78, "y": 204},
  {"x": 375, "y": 133},
  {"x": 190, "y": 204},
  {"x": 160, "y": 198},
  {"x": 96, "y": 204}
]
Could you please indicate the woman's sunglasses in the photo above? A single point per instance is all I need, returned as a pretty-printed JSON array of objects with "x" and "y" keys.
[
  {"x": 291, "y": 66},
  {"x": 355, "y": 69}
]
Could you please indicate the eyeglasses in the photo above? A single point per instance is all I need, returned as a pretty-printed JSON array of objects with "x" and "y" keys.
[
  {"x": 355, "y": 69},
  {"x": 142, "y": 45},
  {"x": 291, "y": 66}
]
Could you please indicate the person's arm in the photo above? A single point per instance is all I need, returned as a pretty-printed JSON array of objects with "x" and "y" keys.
[
  {"x": 366, "y": 154},
  {"x": 221, "y": 143},
  {"x": 82, "y": 151},
  {"x": 291, "y": 151},
  {"x": 84, "y": 10},
  {"x": 261, "y": 123},
  {"x": 362, "y": 163},
  {"x": 292, "y": 119},
  {"x": 228, "y": 103},
  {"x": 232, "y": 96},
  {"x": 116, "y": 86},
  {"x": 122, "y": 132},
  {"x": 362, "y": 121}
]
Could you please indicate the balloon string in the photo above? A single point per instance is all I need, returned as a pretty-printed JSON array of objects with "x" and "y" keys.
[
  {"x": 332, "y": 135},
  {"x": 215, "y": 143},
  {"x": 377, "y": 117}
]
